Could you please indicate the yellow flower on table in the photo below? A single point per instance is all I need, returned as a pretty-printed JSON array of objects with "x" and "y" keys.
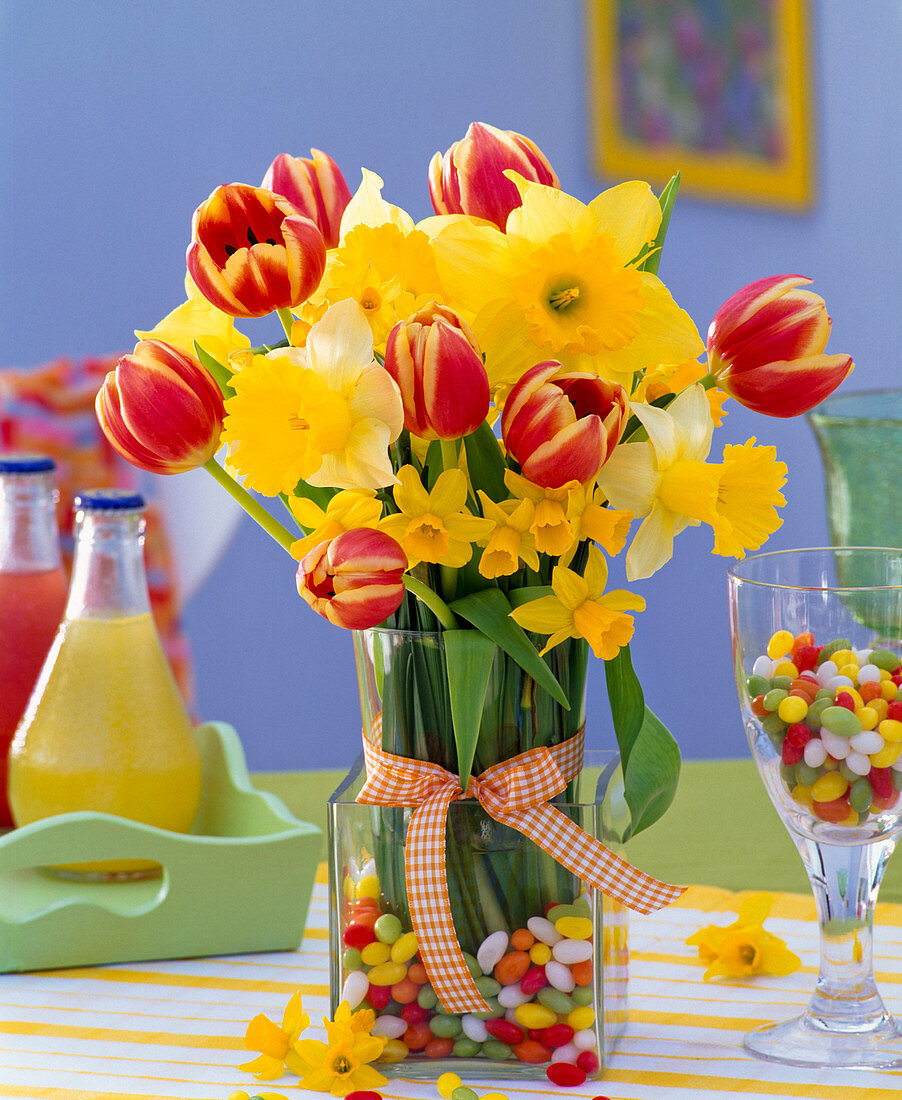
[
  {"x": 579, "y": 607},
  {"x": 668, "y": 480},
  {"x": 341, "y": 1065},
  {"x": 562, "y": 283},
  {"x": 275, "y": 1043},
  {"x": 743, "y": 948},
  {"x": 434, "y": 526},
  {"x": 325, "y": 413}
]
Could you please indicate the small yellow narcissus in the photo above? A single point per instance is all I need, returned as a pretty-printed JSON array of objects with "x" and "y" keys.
[{"x": 743, "y": 948}]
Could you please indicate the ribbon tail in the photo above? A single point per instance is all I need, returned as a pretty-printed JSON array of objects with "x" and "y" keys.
[
  {"x": 430, "y": 907},
  {"x": 587, "y": 857}
]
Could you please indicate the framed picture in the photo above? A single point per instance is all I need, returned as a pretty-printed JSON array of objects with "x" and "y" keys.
[{"x": 714, "y": 89}]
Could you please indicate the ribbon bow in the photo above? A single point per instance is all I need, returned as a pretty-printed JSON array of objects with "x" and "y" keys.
[{"x": 515, "y": 793}]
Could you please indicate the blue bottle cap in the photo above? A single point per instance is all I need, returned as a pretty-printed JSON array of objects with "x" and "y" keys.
[
  {"x": 108, "y": 500},
  {"x": 21, "y": 462}
]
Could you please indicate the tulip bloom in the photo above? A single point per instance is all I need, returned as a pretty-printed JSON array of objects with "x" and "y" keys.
[
  {"x": 436, "y": 363},
  {"x": 470, "y": 178},
  {"x": 316, "y": 187},
  {"x": 765, "y": 348},
  {"x": 356, "y": 579},
  {"x": 562, "y": 428},
  {"x": 160, "y": 409},
  {"x": 252, "y": 251}
]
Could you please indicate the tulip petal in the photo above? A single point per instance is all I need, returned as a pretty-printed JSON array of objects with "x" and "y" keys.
[
  {"x": 574, "y": 454},
  {"x": 788, "y": 389},
  {"x": 742, "y": 305}
]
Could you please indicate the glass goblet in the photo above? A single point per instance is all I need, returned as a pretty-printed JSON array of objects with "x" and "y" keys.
[{"x": 818, "y": 699}]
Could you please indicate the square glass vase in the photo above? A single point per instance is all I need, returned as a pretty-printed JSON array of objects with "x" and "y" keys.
[{"x": 555, "y": 979}]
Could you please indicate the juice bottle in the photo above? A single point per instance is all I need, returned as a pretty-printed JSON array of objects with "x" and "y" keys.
[
  {"x": 106, "y": 728},
  {"x": 32, "y": 589}
]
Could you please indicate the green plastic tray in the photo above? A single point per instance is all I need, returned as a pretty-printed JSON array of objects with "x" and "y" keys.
[{"x": 239, "y": 882}]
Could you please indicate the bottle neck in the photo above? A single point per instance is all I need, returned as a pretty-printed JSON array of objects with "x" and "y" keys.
[
  {"x": 108, "y": 577},
  {"x": 29, "y": 535}
]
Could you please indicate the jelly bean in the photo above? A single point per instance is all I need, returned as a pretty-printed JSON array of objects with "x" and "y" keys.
[
  {"x": 532, "y": 1051},
  {"x": 350, "y": 959},
  {"x": 511, "y": 967},
  {"x": 583, "y": 995},
  {"x": 535, "y": 1016},
  {"x": 857, "y": 764},
  {"x": 497, "y": 1051},
  {"x": 773, "y": 725},
  {"x": 566, "y": 1053},
  {"x": 581, "y": 1018},
  {"x": 358, "y": 935},
  {"x": 494, "y": 1009},
  {"x": 387, "y": 973},
  {"x": 414, "y": 1013},
  {"x": 505, "y": 1031},
  {"x": 867, "y": 742},
  {"x": 416, "y": 972},
  {"x": 559, "y": 975},
  {"x": 805, "y": 657},
  {"x": 582, "y": 973},
  {"x": 379, "y": 996},
  {"x": 393, "y": 1051},
  {"x": 839, "y": 683},
  {"x": 826, "y": 670},
  {"x": 474, "y": 1028},
  {"x": 882, "y": 783},
  {"x": 868, "y": 673},
  {"x": 574, "y": 928},
  {"x": 488, "y": 987},
  {"x": 756, "y": 685},
  {"x": 758, "y": 708},
  {"x": 392, "y": 1027},
  {"x": 838, "y": 747},
  {"x": 565, "y": 1074},
  {"x": 464, "y": 1092},
  {"x": 763, "y": 666},
  {"x": 792, "y": 709},
  {"x": 774, "y": 698},
  {"x": 465, "y": 1048},
  {"x": 364, "y": 1094},
  {"x": 861, "y": 795},
  {"x": 388, "y": 928},
  {"x": 494, "y": 1096},
  {"x": 838, "y": 645},
  {"x": 815, "y": 752},
  {"x": 801, "y": 794},
  {"x": 426, "y": 998},
  {"x": 840, "y": 720},
  {"x": 354, "y": 988},
  {"x": 557, "y": 1035},
  {"x": 785, "y": 670},
  {"x": 445, "y": 1026},
  {"x": 890, "y": 729},
  {"x": 887, "y": 756},
  {"x": 587, "y": 1060},
  {"x": 439, "y": 1048},
  {"x": 884, "y": 658},
  {"x": 805, "y": 776},
  {"x": 368, "y": 887},
  {"x": 848, "y": 698},
  {"x": 417, "y": 1036},
  {"x": 472, "y": 965},
  {"x": 405, "y": 991},
  {"x": 894, "y": 711},
  {"x": 584, "y": 1040},
  {"x": 834, "y": 812},
  {"x": 540, "y": 953},
  {"x": 522, "y": 939},
  {"x": 826, "y": 789},
  {"x": 779, "y": 644},
  {"x": 491, "y": 950},
  {"x": 533, "y": 980},
  {"x": 790, "y": 753},
  {"x": 572, "y": 951},
  {"x": 544, "y": 930},
  {"x": 556, "y": 1000},
  {"x": 375, "y": 953}
]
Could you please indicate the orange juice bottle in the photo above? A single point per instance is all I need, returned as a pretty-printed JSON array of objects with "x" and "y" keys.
[
  {"x": 106, "y": 728},
  {"x": 32, "y": 588}
]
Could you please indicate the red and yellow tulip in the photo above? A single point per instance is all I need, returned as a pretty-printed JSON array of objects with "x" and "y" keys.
[
  {"x": 436, "y": 363},
  {"x": 470, "y": 179},
  {"x": 354, "y": 580},
  {"x": 253, "y": 251},
  {"x": 316, "y": 187},
  {"x": 160, "y": 409},
  {"x": 765, "y": 347},
  {"x": 562, "y": 427}
]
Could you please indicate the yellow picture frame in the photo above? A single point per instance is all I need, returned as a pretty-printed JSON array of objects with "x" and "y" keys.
[{"x": 656, "y": 111}]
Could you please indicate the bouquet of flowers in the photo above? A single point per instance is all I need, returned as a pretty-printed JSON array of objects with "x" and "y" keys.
[{"x": 465, "y": 418}]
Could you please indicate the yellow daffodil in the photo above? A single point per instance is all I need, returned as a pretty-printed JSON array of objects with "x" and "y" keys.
[
  {"x": 434, "y": 526},
  {"x": 511, "y": 541},
  {"x": 325, "y": 413},
  {"x": 383, "y": 262},
  {"x": 197, "y": 319},
  {"x": 561, "y": 283},
  {"x": 342, "y": 1064},
  {"x": 744, "y": 948},
  {"x": 550, "y": 526},
  {"x": 590, "y": 518},
  {"x": 676, "y": 377},
  {"x": 346, "y": 510},
  {"x": 580, "y": 608},
  {"x": 668, "y": 481},
  {"x": 275, "y": 1043}
]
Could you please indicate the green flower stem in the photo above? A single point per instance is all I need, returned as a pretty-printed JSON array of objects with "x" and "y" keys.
[
  {"x": 449, "y": 454},
  {"x": 287, "y": 320},
  {"x": 432, "y": 600},
  {"x": 251, "y": 505}
]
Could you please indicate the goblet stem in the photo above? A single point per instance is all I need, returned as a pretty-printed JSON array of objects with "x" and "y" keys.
[{"x": 845, "y": 880}]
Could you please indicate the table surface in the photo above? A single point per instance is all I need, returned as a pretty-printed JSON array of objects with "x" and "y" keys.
[{"x": 174, "y": 1028}]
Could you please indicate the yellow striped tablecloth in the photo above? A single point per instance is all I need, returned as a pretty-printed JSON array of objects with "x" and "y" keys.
[{"x": 175, "y": 1028}]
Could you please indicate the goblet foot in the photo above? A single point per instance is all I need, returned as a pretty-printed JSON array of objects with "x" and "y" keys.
[{"x": 807, "y": 1040}]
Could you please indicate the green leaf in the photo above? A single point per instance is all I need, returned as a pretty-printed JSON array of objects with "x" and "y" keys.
[
  {"x": 667, "y": 199},
  {"x": 222, "y": 376},
  {"x": 468, "y": 656},
  {"x": 485, "y": 462},
  {"x": 650, "y": 779},
  {"x": 626, "y": 700},
  {"x": 433, "y": 465},
  {"x": 489, "y": 611}
]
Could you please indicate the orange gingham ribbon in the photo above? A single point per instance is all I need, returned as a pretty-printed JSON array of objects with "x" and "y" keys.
[{"x": 514, "y": 792}]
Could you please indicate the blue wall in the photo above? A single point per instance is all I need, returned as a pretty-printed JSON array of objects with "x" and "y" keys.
[{"x": 119, "y": 118}]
